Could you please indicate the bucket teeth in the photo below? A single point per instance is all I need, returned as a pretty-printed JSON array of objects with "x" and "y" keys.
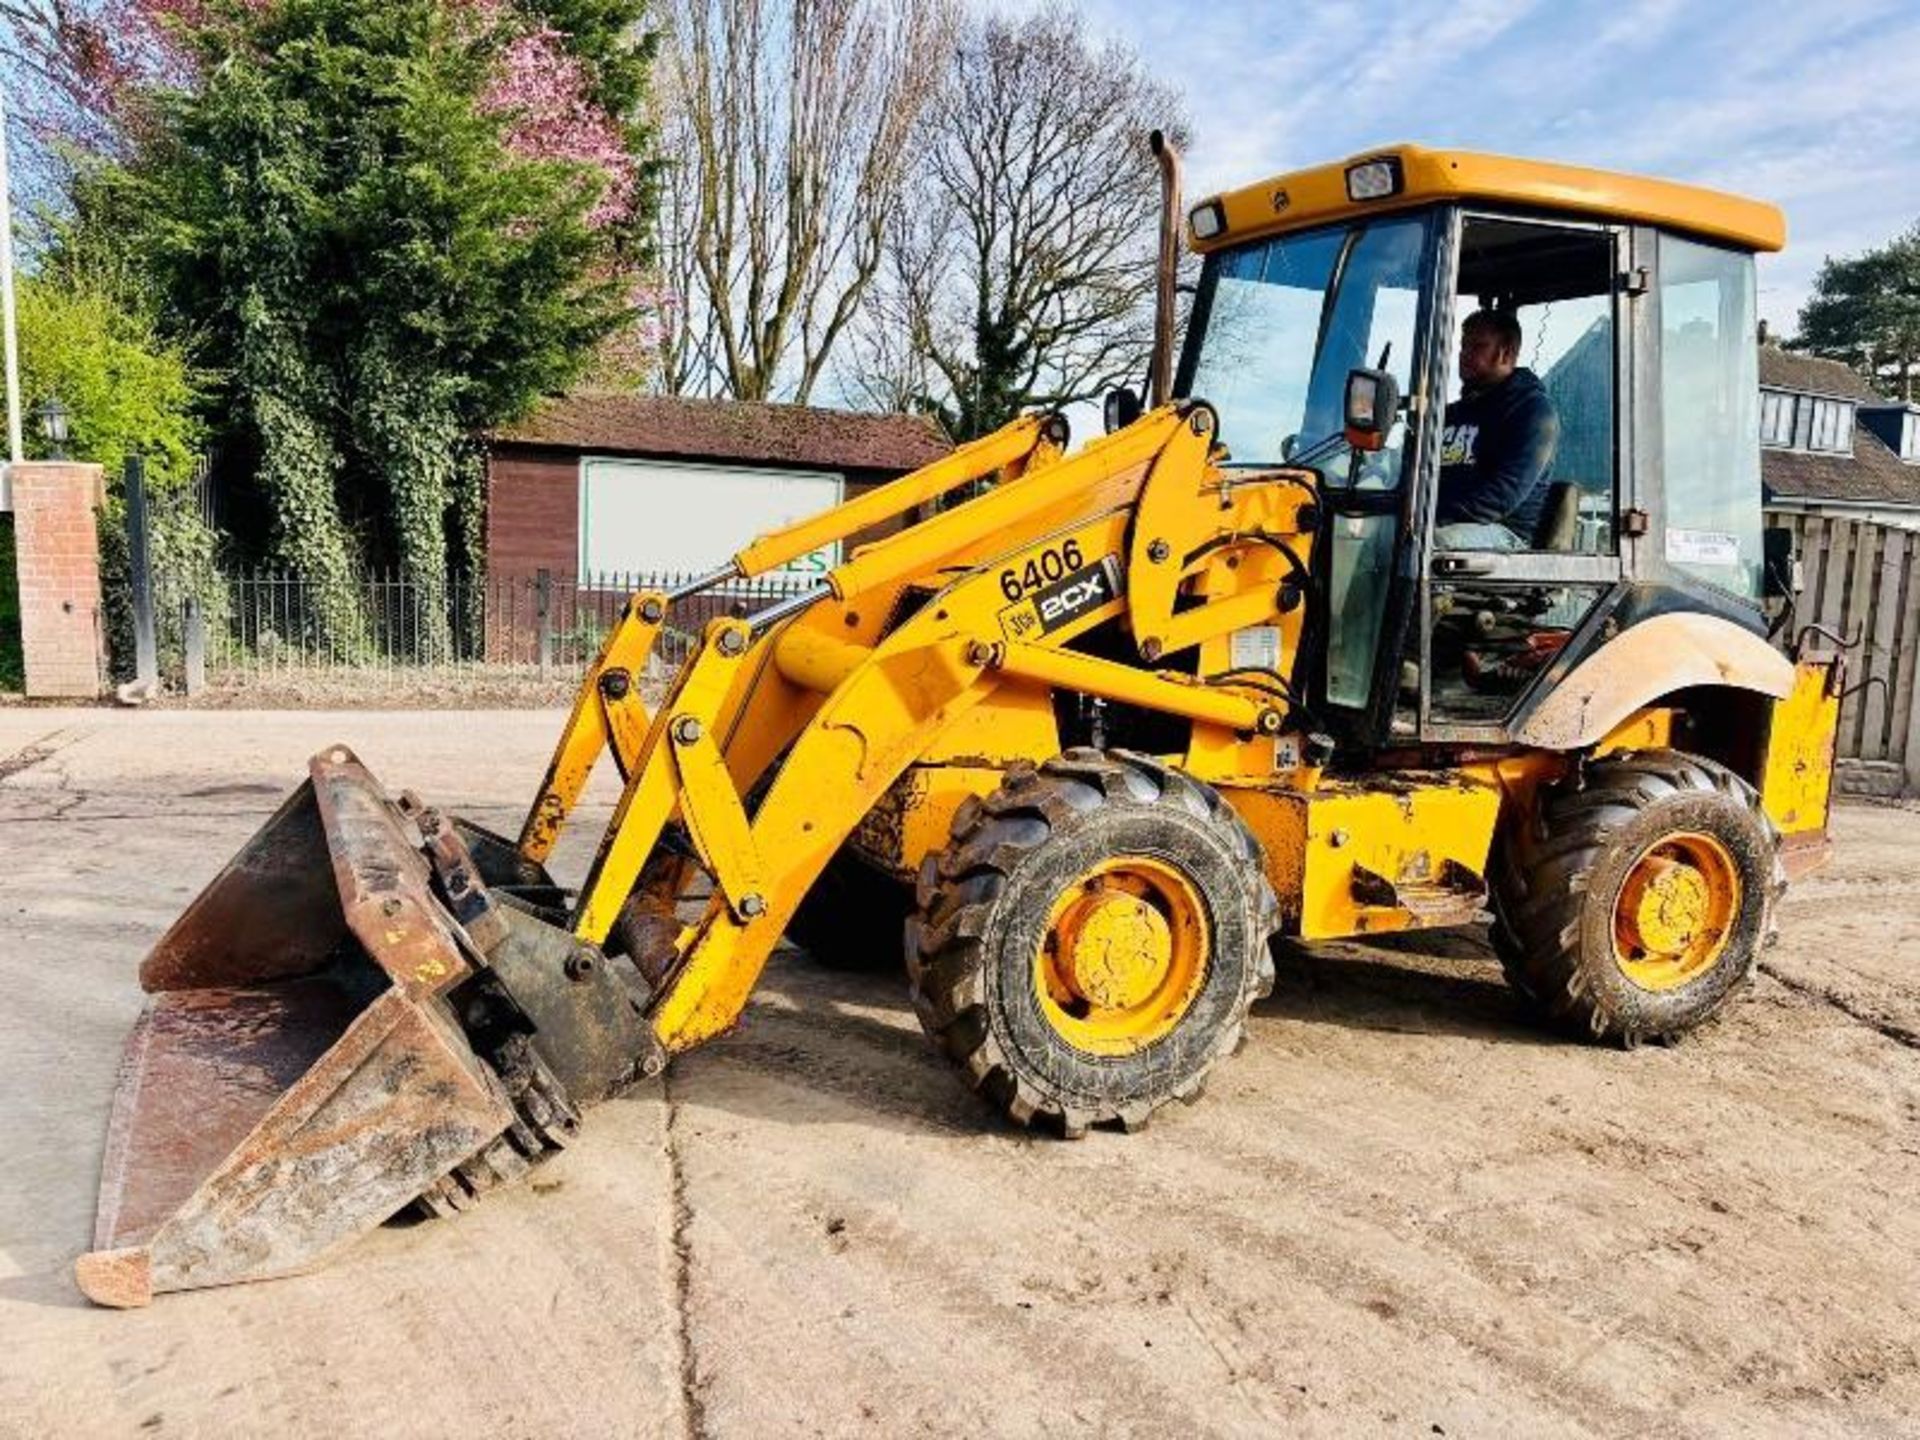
[{"x": 548, "y": 1123}]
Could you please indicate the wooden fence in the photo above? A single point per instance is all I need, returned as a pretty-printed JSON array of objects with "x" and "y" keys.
[{"x": 1863, "y": 580}]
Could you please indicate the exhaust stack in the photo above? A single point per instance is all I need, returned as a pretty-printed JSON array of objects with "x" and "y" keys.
[{"x": 1160, "y": 371}]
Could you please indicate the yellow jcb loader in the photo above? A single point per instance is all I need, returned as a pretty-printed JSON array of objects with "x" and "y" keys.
[{"x": 1088, "y": 731}]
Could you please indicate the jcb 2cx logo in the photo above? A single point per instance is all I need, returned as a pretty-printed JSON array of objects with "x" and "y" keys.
[{"x": 1048, "y": 607}]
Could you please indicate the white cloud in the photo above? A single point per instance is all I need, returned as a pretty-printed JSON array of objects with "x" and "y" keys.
[{"x": 1806, "y": 105}]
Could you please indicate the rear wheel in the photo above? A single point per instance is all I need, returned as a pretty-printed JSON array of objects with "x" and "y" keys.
[
  {"x": 1632, "y": 906},
  {"x": 1088, "y": 944}
]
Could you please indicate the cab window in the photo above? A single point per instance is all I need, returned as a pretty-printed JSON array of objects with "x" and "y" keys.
[
  {"x": 1710, "y": 415},
  {"x": 1278, "y": 326},
  {"x": 1528, "y": 448}
]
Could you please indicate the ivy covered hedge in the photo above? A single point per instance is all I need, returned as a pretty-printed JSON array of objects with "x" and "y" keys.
[{"x": 351, "y": 220}]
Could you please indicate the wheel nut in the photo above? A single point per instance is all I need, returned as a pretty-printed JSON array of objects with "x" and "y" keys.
[
  {"x": 687, "y": 729},
  {"x": 1158, "y": 551},
  {"x": 653, "y": 610},
  {"x": 732, "y": 642},
  {"x": 615, "y": 684},
  {"x": 752, "y": 906}
]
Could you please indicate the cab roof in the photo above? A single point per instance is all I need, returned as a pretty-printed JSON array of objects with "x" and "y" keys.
[{"x": 1303, "y": 198}]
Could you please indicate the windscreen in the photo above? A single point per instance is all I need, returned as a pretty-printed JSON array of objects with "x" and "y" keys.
[{"x": 1280, "y": 322}]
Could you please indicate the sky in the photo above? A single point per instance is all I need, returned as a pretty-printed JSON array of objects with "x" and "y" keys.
[{"x": 1814, "y": 106}]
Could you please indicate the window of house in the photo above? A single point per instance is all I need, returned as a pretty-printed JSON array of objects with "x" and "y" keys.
[
  {"x": 1910, "y": 437},
  {"x": 1776, "y": 418},
  {"x": 1829, "y": 426}
]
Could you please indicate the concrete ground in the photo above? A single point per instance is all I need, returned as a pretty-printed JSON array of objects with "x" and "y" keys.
[{"x": 1401, "y": 1210}]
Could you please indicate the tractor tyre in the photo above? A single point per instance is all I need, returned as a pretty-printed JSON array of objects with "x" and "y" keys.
[
  {"x": 853, "y": 918},
  {"x": 1634, "y": 903},
  {"x": 1088, "y": 944}
]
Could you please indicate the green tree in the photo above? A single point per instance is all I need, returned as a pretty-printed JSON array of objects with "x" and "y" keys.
[
  {"x": 86, "y": 339},
  {"x": 126, "y": 389},
  {"x": 345, "y": 216},
  {"x": 1865, "y": 310}
]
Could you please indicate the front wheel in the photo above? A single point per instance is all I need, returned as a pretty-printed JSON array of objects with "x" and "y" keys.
[
  {"x": 1088, "y": 944},
  {"x": 1633, "y": 905}
]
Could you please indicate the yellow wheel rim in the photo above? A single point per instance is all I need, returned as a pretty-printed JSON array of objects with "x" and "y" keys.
[
  {"x": 1675, "y": 912},
  {"x": 1124, "y": 953}
]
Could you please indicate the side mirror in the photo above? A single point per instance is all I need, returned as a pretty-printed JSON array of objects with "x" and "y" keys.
[
  {"x": 1122, "y": 409},
  {"x": 1373, "y": 403}
]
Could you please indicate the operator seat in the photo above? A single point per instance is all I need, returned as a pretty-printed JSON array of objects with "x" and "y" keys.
[{"x": 1558, "y": 527}]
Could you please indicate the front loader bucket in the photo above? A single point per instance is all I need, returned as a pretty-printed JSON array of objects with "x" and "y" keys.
[{"x": 305, "y": 1069}]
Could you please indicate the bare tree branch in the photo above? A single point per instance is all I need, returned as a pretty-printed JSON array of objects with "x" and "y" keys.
[
  {"x": 789, "y": 124},
  {"x": 1020, "y": 272}
]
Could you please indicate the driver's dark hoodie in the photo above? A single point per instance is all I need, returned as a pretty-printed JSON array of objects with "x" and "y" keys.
[{"x": 1495, "y": 454}]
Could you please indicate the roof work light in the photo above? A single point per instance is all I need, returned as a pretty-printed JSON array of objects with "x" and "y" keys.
[{"x": 1374, "y": 179}]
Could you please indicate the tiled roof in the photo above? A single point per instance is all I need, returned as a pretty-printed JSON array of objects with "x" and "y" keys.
[
  {"x": 1873, "y": 476},
  {"x": 735, "y": 430},
  {"x": 1784, "y": 370}
]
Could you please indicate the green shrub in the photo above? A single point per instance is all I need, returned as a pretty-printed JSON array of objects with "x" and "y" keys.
[{"x": 127, "y": 392}]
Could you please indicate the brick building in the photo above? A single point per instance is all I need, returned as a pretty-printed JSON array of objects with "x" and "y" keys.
[{"x": 595, "y": 485}]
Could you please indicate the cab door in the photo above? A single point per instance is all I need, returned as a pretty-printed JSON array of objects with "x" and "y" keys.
[{"x": 1502, "y": 597}]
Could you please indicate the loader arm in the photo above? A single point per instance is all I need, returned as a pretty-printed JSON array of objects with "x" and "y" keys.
[
  {"x": 886, "y": 712},
  {"x": 1106, "y": 473},
  {"x": 607, "y": 708},
  {"x": 887, "y": 704}
]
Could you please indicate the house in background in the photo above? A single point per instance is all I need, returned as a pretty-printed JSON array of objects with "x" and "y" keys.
[
  {"x": 604, "y": 485},
  {"x": 1897, "y": 423},
  {"x": 1830, "y": 446}
]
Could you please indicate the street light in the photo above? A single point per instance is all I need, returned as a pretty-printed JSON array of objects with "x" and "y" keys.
[{"x": 53, "y": 425}]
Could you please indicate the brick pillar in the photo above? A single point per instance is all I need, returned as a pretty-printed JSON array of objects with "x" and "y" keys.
[{"x": 55, "y": 535}]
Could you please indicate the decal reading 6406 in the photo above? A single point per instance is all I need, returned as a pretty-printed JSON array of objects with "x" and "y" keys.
[{"x": 1047, "y": 608}]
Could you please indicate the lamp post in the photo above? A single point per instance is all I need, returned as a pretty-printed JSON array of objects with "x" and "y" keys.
[
  {"x": 53, "y": 425},
  {"x": 8, "y": 343}
]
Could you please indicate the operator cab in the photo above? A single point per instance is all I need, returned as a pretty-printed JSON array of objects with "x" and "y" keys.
[{"x": 1635, "y": 305}]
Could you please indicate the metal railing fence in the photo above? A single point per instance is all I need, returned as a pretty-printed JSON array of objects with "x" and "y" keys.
[
  {"x": 387, "y": 628},
  {"x": 1862, "y": 580}
]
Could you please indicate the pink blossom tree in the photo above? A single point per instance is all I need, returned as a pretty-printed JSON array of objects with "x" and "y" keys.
[
  {"x": 80, "y": 72},
  {"x": 541, "y": 88}
]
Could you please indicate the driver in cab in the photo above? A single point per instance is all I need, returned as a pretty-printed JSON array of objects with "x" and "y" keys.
[{"x": 1498, "y": 444}]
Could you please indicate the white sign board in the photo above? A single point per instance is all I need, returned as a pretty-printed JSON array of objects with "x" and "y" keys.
[
  {"x": 660, "y": 516},
  {"x": 1702, "y": 547}
]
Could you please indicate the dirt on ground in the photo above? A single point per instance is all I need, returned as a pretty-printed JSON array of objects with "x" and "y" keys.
[{"x": 1401, "y": 1210}]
